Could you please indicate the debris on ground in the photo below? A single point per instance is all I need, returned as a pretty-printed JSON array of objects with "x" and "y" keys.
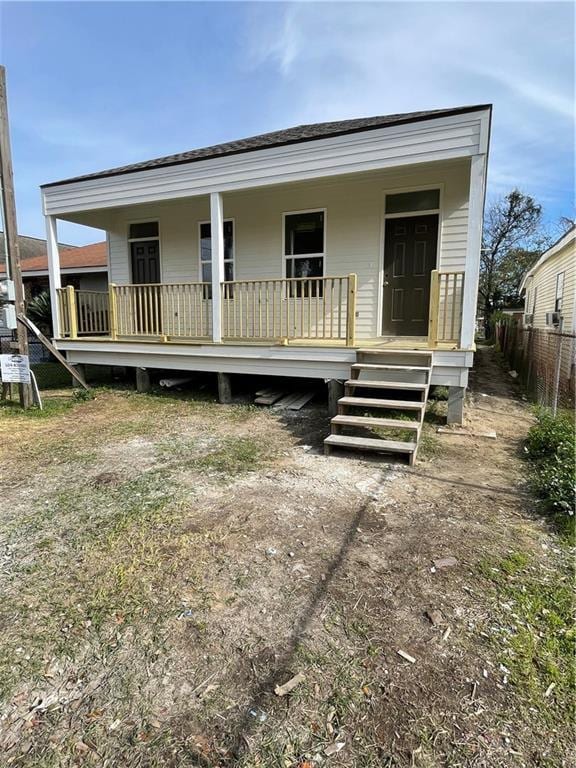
[
  {"x": 491, "y": 434},
  {"x": 258, "y": 714},
  {"x": 445, "y": 562},
  {"x": 333, "y": 749},
  {"x": 434, "y": 616},
  {"x": 406, "y": 656},
  {"x": 271, "y": 551},
  {"x": 282, "y": 690}
]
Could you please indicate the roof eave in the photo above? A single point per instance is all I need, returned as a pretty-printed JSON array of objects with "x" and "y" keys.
[{"x": 129, "y": 170}]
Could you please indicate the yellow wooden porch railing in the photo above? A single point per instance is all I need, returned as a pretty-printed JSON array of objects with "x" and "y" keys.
[
  {"x": 83, "y": 313},
  {"x": 168, "y": 310},
  {"x": 446, "y": 295},
  {"x": 321, "y": 309}
]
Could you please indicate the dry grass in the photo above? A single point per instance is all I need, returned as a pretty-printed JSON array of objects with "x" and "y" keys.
[{"x": 166, "y": 561}]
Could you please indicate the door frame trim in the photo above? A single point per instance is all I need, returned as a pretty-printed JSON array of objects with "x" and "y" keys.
[
  {"x": 384, "y": 216},
  {"x": 130, "y": 240}
]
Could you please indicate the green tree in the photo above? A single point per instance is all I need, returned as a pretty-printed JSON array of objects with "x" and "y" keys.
[
  {"x": 511, "y": 243},
  {"x": 39, "y": 310}
]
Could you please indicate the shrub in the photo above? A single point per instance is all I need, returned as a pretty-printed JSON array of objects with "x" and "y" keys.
[{"x": 551, "y": 447}]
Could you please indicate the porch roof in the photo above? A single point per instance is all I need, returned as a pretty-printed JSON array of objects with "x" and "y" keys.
[{"x": 295, "y": 135}]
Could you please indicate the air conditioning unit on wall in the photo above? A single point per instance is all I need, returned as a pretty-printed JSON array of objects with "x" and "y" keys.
[
  {"x": 528, "y": 320},
  {"x": 553, "y": 318}
]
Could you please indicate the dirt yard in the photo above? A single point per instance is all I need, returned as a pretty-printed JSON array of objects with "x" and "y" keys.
[{"x": 166, "y": 562}]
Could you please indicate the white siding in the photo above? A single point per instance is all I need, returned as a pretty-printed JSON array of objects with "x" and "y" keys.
[
  {"x": 544, "y": 282},
  {"x": 97, "y": 281},
  {"x": 354, "y": 228}
]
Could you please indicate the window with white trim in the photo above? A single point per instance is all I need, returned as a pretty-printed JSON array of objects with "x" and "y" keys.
[
  {"x": 304, "y": 243},
  {"x": 206, "y": 250},
  {"x": 304, "y": 249},
  {"x": 559, "y": 292}
]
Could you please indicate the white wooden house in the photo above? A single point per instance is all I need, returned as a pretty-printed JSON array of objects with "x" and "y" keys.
[{"x": 299, "y": 253}]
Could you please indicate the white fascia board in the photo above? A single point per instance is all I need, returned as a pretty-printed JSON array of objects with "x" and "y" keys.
[
  {"x": 65, "y": 271},
  {"x": 427, "y": 141}
]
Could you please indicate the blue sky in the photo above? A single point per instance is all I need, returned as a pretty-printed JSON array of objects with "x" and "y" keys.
[{"x": 94, "y": 85}]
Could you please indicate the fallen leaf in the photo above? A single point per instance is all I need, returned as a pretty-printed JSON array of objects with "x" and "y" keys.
[{"x": 333, "y": 749}]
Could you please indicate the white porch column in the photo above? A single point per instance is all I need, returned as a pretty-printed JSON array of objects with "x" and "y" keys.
[
  {"x": 217, "y": 239},
  {"x": 53, "y": 270},
  {"x": 473, "y": 246}
]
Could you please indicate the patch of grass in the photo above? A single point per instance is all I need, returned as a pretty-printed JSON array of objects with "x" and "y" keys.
[
  {"x": 430, "y": 446},
  {"x": 551, "y": 448},
  {"x": 535, "y": 635},
  {"x": 51, "y": 407},
  {"x": 439, "y": 393},
  {"x": 233, "y": 456},
  {"x": 101, "y": 559}
]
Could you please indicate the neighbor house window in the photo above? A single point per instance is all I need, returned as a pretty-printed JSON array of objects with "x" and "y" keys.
[
  {"x": 559, "y": 292},
  {"x": 206, "y": 251}
]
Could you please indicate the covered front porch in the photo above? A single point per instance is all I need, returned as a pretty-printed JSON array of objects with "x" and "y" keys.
[{"x": 297, "y": 311}]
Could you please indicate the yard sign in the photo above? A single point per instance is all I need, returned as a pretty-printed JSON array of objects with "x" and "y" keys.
[{"x": 15, "y": 369}]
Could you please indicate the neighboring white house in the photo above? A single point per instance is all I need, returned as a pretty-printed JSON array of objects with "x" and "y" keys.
[
  {"x": 549, "y": 288},
  {"x": 289, "y": 253}
]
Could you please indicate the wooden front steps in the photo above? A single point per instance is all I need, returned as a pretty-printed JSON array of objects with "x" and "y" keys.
[
  {"x": 375, "y": 402},
  {"x": 375, "y": 421},
  {"x": 398, "y": 381}
]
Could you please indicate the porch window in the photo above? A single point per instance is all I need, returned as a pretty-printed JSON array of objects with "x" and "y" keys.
[
  {"x": 304, "y": 247},
  {"x": 144, "y": 230},
  {"x": 206, "y": 251}
]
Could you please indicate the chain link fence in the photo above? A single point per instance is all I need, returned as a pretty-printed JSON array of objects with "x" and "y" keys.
[{"x": 545, "y": 361}]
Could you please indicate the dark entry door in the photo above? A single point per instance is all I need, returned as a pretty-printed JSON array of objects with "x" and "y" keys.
[
  {"x": 145, "y": 262},
  {"x": 147, "y": 301},
  {"x": 410, "y": 247}
]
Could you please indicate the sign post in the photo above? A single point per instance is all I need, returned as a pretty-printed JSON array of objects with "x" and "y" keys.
[{"x": 13, "y": 271}]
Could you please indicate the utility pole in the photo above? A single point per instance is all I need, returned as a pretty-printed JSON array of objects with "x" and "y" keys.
[{"x": 13, "y": 270}]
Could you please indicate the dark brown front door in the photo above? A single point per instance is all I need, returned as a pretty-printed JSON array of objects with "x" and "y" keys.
[
  {"x": 147, "y": 302},
  {"x": 410, "y": 247},
  {"x": 145, "y": 262}
]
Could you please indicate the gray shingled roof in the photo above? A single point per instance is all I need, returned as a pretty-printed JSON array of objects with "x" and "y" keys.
[{"x": 278, "y": 138}]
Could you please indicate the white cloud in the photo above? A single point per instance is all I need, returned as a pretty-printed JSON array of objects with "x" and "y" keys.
[{"x": 338, "y": 60}]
